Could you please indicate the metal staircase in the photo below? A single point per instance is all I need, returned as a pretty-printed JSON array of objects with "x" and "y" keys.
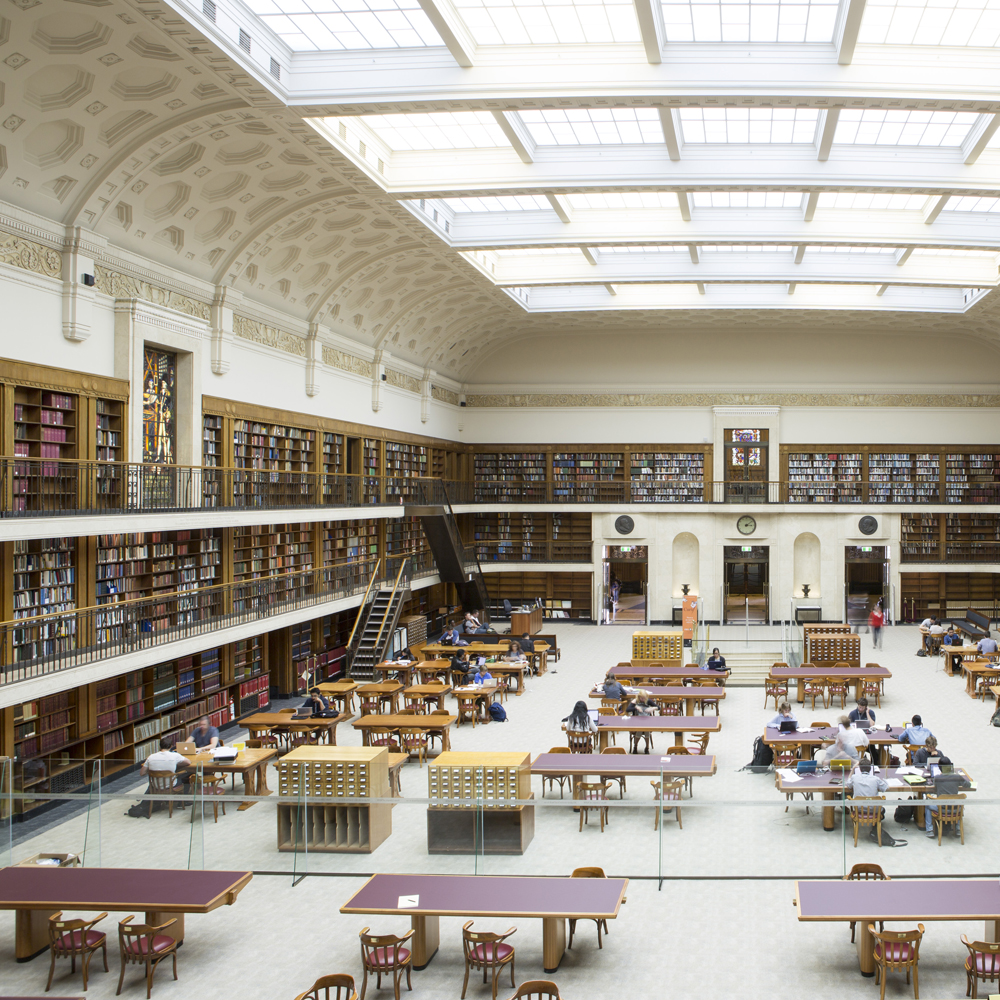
[{"x": 370, "y": 641}]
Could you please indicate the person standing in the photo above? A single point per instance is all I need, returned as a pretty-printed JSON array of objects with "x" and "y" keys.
[{"x": 876, "y": 620}]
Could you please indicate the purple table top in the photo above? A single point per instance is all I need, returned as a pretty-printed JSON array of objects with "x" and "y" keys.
[
  {"x": 798, "y": 672},
  {"x": 675, "y": 690},
  {"x": 623, "y": 763},
  {"x": 151, "y": 889},
  {"x": 665, "y": 672},
  {"x": 876, "y": 736},
  {"x": 900, "y": 899},
  {"x": 489, "y": 896},
  {"x": 661, "y": 723},
  {"x": 834, "y": 781}
]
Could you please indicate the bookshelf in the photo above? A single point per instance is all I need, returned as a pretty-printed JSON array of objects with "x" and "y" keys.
[
  {"x": 45, "y": 426},
  {"x": 349, "y": 541},
  {"x": 371, "y": 469},
  {"x": 824, "y": 477},
  {"x": 276, "y": 447},
  {"x": 43, "y": 582},
  {"x": 972, "y": 537},
  {"x": 212, "y": 456},
  {"x": 402, "y": 462},
  {"x": 109, "y": 446},
  {"x": 578, "y": 476},
  {"x": 512, "y": 537},
  {"x": 404, "y": 536},
  {"x": 267, "y": 550},
  {"x": 947, "y": 595},
  {"x": 667, "y": 476},
  {"x": 920, "y": 536},
  {"x": 504, "y": 476},
  {"x": 332, "y": 459},
  {"x": 972, "y": 477},
  {"x": 564, "y": 595}
]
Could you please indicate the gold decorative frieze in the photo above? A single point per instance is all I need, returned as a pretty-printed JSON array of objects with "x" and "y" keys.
[
  {"x": 445, "y": 395},
  {"x": 401, "y": 380},
  {"x": 19, "y": 252},
  {"x": 346, "y": 362},
  {"x": 126, "y": 286},
  {"x": 260, "y": 333},
  {"x": 868, "y": 399}
]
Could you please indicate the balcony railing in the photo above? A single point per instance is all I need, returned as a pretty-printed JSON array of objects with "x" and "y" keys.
[
  {"x": 47, "y": 644},
  {"x": 525, "y": 550}
]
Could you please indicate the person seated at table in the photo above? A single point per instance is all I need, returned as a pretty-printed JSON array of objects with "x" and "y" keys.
[
  {"x": 406, "y": 656},
  {"x": 314, "y": 704},
  {"x": 526, "y": 643},
  {"x": 841, "y": 749},
  {"x": 928, "y": 622},
  {"x": 514, "y": 654},
  {"x": 472, "y": 623},
  {"x": 862, "y": 713},
  {"x": 482, "y": 675},
  {"x": 785, "y": 714},
  {"x": 987, "y": 644},
  {"x": 944, "y": 784},
  {"x": 854, "y": 736},
  {"x": 579, "y": 720},
  {"x": 915, "y": 733},
  {"x": 204, "y": 734},
  {"x": 451, "y": 637},
  {"x": 926, "y": 752},
  {"x": 639, "y": 705},
  {"x": 168, "y": 759},
  {"x": 951, "y": 637},
  {"x": 863, "y": 783},
  {"x": 937, "y": 628},
  {"x": 613, "y": 688},
  {"x": 460, "y": 667},
  {"x": 716, "y": 661}
]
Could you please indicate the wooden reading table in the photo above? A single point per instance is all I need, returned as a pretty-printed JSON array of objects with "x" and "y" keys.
[
  {"x": 427, "y": 898},
  {"x": 487, "y": 649},
  {"x": 953, "y": 656},
  {"x": 384, "y": 670},
  {"x": 676, "y": 693},
  {"x": 250, "y": 763},
  {"x": 36, "y": 893},
  {"x": 973, "y": 670},
  {"x": 425, "y": 723},
  {"x": 817, "y": 739},
  {"x": 633, "y": 676},
  {"x": 474, "y": 700},
  {"x": 340, "y": 691},
  {"x": 579, "y": 765},
  {"x": 855, "y": 675},
  {"x": 428, "y": 692},
  {"x": 264, "y": 722},
  {"x": 901, "y": 901},
  {"x": 676, "y": 724},
  {"x": 390, "y": 689},
  {"x": 428, "y": 670}
]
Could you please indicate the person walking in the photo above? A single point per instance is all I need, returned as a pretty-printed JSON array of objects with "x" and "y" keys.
[{"x": 876, "y": 620}]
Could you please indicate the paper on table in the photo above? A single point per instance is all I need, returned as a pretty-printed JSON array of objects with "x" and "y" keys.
[
  {"x": 406, "y": 902},
  {"x": 896, "y": 783},
  {"x": 908, "y": 769},
  {"x": 789, "y": 775}
]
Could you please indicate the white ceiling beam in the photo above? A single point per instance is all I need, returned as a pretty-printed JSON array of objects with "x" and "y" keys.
[
  {"x": 670, "y": 133},
  {"x": 791, "y": 288},
  {"x": 611, "y": 289},
  {"x": 826, "y": 127},
  {"x": 449, "y": 25},
  {"x": 693, "y": 253},
  {"x": 812, "y": 200},
  {"x": 881, "y": 290},
  {"x": 979, "y": 136},
  {"x": 903, "y": 255},
  {"x": 701, "y": 287},
  {"x": 513, "y": 127},
  {"x": 845, "y": 35},
  {"x": 800, "y": 252},
  {"x": 559, "y": 207},
  {"x": 649, "y": 14},
  {"x": 933, "y": 207},
  {"x": 589, "y": 254},
  {"x": 684, "y": 204}
]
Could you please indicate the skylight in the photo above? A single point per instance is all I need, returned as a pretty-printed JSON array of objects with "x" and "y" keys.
[
  {"x": 523, "y": 22},
  {"x": 621, "y": 200},
  {"x": 538, "y": 252},
  {"x": 438, "y": 130},
  {"x": 852, "y": 250},
  {"x": 776, "y": 21},
  {"x": 746, "y": 125},
  {"x": 866, "y": 200},
  {"x": 594, "y": 126},
  {"x": 351, "y": 24},
  {"x": 941, "y": 252},
  {"x": 500, "y": 203},
  {"x": 972, "y": 203},
  {"x": 745, "y": 248},
  {"x": 875, "y": 127},
  {"x": 634, "y": 249},
  {"x": 747, "y": 199},
  {"x": 941, "y": 22}
]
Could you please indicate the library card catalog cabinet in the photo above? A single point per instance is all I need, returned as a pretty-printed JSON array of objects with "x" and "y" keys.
[
  {"x": 471, "y": 811},
  {"x": 321, "y": 772},
  {"x": 662, "y": 647}
]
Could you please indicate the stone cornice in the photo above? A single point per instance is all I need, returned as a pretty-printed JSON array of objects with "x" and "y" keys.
[{"x": 699, "y": 399}]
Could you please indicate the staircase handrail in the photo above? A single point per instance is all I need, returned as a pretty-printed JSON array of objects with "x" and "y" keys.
[
  {"x": 392, "y": 597},
  {"x": 363, "y": 611}
]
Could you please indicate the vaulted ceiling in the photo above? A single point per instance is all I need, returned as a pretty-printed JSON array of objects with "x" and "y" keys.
[{"x": 449, "y": 192}]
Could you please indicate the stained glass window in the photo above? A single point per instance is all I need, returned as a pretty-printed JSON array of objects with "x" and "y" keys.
[
  {"x": 754, "y": 456},
  {"x": 746, "y": 435},
  {"x": 738, "y": 456},
  {"x": 159, "y": 406}
]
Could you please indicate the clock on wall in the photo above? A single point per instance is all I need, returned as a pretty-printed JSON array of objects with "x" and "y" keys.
[
  {"x": 746, "y": 525},
  {"x": 624, "y": 525},
  {"x": 868, "y": 525}
]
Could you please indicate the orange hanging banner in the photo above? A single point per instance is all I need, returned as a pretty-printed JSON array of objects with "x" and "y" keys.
[{"x": 689, "y": 616}]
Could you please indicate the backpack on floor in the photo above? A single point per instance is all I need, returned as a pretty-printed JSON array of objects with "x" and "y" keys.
[
  {"x": 995, "y": 721},
  {"x": 904, "y": 814},
  {"x": 497, "y": 712},
  {"x": 763, "y": 757}
]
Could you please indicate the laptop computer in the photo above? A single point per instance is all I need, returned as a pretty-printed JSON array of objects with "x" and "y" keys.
[
  {"x": 805, "y": 767},
  {"x": 788, "y": 726},
  {"x": 186, "y": 747}
]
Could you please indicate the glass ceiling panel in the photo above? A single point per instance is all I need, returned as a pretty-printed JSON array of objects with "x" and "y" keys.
[
  {"x": 594, "y": 126},
  {"x": 932, "y": 252},
  {"x": 657, "y": 249},
  {"x": 875, "y": 127},
  {"x": 745, "y": 248},
  {"x": 500, "y": 203},
  {"x": 777, "y": 21},
  {"x": 869, "y": 201},
  {"x": 437, "y": 130},
  {"x": 745, "y": 125},
  {"x": 747, "y": 199},
  {"x": 877, "y": 250},
  {"x": 538, "y": 252},
  {"x": 621, "y": 200},
  {"x": 522, "y": 22},
  {"x": 932, "y": 22},
  {"x": 348, "y": 24},
  {"x": 971, "y": 203}
]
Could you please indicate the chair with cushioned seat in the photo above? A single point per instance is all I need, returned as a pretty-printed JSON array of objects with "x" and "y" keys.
[
  {"x": 486, "y": 951},
  {"x": 161, "y": 783},
  {"x": 75, "y": 939},
  {"x": 562, "y": 779},
  {"x": 589, "y": 872},
  {"x": 947, "y": 810},
  {"x": 620, "y": 778},
  {"x": 838, "y": 687},
  {"x": 865, "y": 872},
  {"x": 592, "y": 795},
  {"x": 776, "y": 688},
  {"x": 210, "y": 787},
  {"x": 579, "y": 742},
  {"x": 537, "y": 989},
  {"x": 896, "y": 951},
  {"x": 433, "y": 734},
  {"x": 867, "y": 812},
  {"x": 698, "y": 742},
  {"x": 145, "y": 945},
  {"x": 335, "y": 987},
  {"x": 983, "y": 964},
  {"x": 670, "y": 791},
  {"x": 710, "y": 699},
  {"x": 382, "y": 955},
  {"x": 814, "y": 687}
]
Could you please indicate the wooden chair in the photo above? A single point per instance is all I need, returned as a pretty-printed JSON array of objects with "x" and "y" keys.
[
  {"x": 145, "y": 945},
  {"x": 983, "y": 964},
  {"x": 416, "y": 704},
  {"x": 669, "y": 708},
  {"x": 370, "y": 704},
  {"x": 786, "y": 754},
  {"x": 343, "y": 702},
  {"x": 210, "y": 786},
  {"x": 601, "y": 923},
  {"x": 537, "y": 989},
  {"x": 468, "y": 708},
  {"x": 866, "y": 872},
  {"x": 439, "y": 736},
  {"x": 335, "y": 987},
  {"x": 593, "y": 795},
  {"x": 620, "y": 778},
  {"x": 382, "y": 955},
  {"x": 984, "y": 682},
  {"x": 872, "y": 690},
  {"x": 775, "y": 688},
  {"x": 683, "y": 752},
  {"x": 867, "y": 812},
  {"x": 414, "y": 741},
  {"x": 709, "y": 700},
  {"x": 488, "y": 952},
  {"x": 837, "y": 688},
  {"x": 896, "y": 951},
  {"x": 161, "y": 783},
  {"x": 948, "y": 810},
  {"x": 820, "y": 724},
  {"x": 561, "y": 778},
  {"x": 75, "y": 939},
  {"x": 669, "y": 792},
  {"x": 634, "y": 738},
  {"x": 815, "y": 687},
  {"x": 579, "y": 742},
  {"x": 383, "y": 738},
  {"x": 698, "y": 742}
]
